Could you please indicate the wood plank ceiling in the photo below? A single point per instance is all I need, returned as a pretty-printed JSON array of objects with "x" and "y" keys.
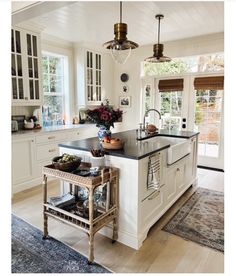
[{"x": 93, "y": 21}]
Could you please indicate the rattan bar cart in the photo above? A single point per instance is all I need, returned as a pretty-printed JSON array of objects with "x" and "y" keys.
[{"x": 94, "y": 222}]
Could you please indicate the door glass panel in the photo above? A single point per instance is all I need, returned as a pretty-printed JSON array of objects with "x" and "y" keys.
[
  {"x": 29, "y": 47},
  {"x": 18, "y": 45},
  {"x": 19, "y": 65},
  {"x": 20, "y": 87},
  {"x": 171, "y": 110},
  {"x": 12, "y": 41},
  {"x": 14, "y": 88},
  {"x": 30, "y": 66},
  {"x": 36, "y": 85},
  {"x": 147, "y": 100},
  {"x": 208, "y": 121},
  {"x": 31, "y": 84},
  {"x": 13, "y": 65},
  {"x": 36, "y": 68},
  {"x": 35, "y": 46}
]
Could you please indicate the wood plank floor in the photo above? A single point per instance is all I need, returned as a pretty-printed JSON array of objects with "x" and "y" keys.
[{"x": 161, "y": 251}]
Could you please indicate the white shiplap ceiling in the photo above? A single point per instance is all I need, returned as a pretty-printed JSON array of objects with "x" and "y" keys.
[{"x": 93, "y": 22}]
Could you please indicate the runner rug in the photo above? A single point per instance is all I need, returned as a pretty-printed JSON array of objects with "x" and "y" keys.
[
  {"x": 31, "y": 254},
  {"x": 201, "y": 219}
]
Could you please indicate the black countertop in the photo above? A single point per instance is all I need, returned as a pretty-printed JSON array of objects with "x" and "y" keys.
[{"x": 133, "y": 149}]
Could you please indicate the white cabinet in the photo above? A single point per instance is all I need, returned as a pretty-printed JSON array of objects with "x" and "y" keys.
[
  {"x": 94, "y": 76},
  {"x": 25, "y": 67},
  {"x": 31, "y": 152},
  {"x": 23, "y": 161}
]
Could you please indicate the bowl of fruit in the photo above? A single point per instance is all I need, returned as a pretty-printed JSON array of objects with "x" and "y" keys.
[
  {"x": 113, "y": 143},
  {"x": 66, "y": 162}
]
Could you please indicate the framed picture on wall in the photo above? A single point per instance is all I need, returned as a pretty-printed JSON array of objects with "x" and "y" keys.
[
  {"x": 125, "y": 88},
  {"x": 125, "y": 101}
]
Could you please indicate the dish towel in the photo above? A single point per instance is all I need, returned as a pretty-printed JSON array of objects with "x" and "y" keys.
[{"x": 153, "y": 177}]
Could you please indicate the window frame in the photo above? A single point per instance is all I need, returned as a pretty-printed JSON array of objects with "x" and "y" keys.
[{"x": 65, "y": 84}]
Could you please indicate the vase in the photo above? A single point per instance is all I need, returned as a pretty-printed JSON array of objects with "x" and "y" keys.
[{"x": 103, "y": 132}]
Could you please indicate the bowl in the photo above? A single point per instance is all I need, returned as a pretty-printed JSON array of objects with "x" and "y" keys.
[
  {"x": 67, "y": 166},
  {"x": 113, "y": 146}
]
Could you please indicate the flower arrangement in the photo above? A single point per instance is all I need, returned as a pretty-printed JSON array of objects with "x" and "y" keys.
[{"x": 105, "y": 115}]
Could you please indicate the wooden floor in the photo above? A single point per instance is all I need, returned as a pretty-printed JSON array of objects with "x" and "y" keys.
[{"x": 161, "y": 251}]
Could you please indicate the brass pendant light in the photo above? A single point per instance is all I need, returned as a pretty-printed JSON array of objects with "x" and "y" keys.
[
  {"x": 158, "y": 48},
  {"x": 120, "y": 47}
]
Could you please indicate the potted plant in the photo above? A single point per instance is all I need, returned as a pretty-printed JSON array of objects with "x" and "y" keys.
[{"x": 104, "y": 117}]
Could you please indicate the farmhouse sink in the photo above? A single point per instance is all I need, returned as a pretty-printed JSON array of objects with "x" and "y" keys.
[{"x": 179, "y": 147}]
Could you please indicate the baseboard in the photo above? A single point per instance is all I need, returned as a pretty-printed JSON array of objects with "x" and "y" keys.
[
  {"x": 123, "y": 237},
  {"x": 16, "y": 188},
  {"x": 210, "y": 168}
]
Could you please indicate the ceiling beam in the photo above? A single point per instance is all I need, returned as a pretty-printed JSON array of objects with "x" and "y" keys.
[{"x": 37, "y": 9}]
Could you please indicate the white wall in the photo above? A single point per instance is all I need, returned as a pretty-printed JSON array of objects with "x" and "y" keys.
[{"x": 186, "y": 47}]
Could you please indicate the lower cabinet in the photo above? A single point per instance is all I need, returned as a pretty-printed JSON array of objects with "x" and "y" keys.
[
  {"x": 31, "y": 153},
  {"x": 151, "y": 206},
  {"x": 23, "y": 160}
]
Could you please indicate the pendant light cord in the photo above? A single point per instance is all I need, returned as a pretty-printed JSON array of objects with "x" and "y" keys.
[
  {"x": 120, "y": 11},
  {"x": 159, "y": 28}
]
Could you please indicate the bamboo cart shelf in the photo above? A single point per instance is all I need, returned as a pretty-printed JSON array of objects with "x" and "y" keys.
[{"x": 96, "y": 220}]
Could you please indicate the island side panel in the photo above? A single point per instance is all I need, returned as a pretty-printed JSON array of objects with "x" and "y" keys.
[{"x": 128, "y": 196}]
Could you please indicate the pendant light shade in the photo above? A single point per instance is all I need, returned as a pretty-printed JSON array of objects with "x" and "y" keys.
[
  {"x": 120, "y": 47},
  {"x": 158, "y": 48}
]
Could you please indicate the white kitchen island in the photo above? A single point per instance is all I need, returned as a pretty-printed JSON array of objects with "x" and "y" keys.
[{"x": 140, "y": 207}]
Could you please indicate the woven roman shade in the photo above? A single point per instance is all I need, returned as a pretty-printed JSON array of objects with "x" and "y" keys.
[
  {"x": 212, "y": 83},
  {"x": 171, "y": 85}
]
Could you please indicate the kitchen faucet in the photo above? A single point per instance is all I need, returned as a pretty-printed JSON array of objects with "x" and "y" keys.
[{"x": 152, "y": 109}]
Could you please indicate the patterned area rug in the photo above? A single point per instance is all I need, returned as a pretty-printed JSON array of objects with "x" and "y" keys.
[
  {"x": 31, "y": 254},
  {"x": 201, "y": 219}
]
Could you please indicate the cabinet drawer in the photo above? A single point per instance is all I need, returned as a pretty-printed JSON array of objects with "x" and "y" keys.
[
  {"x": 47, "y": 151},
  {"x": 151, "y": 206},
  {"x": 51, "y": 137}
]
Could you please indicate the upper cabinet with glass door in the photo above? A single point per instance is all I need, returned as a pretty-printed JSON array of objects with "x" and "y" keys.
[
  {"x": 25, "y": 61},
  {"x": 93, "y": 78}
]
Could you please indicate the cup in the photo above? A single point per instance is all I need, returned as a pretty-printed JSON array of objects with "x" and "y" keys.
[{"x": 97, "y": 161}]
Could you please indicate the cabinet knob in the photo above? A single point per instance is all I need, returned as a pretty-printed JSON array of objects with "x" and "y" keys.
[
  {"x": 51, "y": 150},
  {"x": 26, "y": 98},
  {"x": 51, "y": 137},
  {"x": 178, "y": 169}
]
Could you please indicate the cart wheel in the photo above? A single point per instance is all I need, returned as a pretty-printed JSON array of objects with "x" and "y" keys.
[
  {"x": 89, "y": 263},
  {"x": 44, "y": 237},
  {"x": 113, "y": 241}
]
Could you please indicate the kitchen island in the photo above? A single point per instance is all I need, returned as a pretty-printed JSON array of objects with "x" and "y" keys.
[{"x": 140, "y": 207}]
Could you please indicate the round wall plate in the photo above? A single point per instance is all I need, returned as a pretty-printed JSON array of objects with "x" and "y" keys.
[{"x": 124, "y": 77}]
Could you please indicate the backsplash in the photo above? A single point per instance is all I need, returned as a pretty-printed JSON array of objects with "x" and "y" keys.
[{"x": 23, "y": 110}]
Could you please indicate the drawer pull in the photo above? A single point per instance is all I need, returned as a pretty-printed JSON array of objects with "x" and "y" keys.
[
  {"x": 51, "y": 137},
  {"x": 154, "y": 195},
  {"x": 51, "y": 150}
]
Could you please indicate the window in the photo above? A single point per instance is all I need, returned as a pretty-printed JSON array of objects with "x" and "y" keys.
[
  {"x": 171, "y": 103},
  {"x": 208, "y": 111},
  {"x": 194, "y": 64},
  {"x": 53, "y": 89}
]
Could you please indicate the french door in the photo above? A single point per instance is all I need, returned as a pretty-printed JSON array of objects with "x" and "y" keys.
[{"x": 183, "y": 107}]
